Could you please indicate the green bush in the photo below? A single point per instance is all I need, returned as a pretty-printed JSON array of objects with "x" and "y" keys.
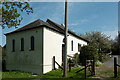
[
  {"x": 98, "y": 63},
  {"x": 75, "y": 59},
  {"x": 103, "y": 57},
  {"x": 88, "y": 52}
]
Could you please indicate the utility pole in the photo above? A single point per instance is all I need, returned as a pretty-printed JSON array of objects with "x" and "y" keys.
[
  {"x": 119, "y": 25},
  {"x": 119, "y": 33},
  {"x": 66, "y": 31},
  {"x": 119, "y": 48}
]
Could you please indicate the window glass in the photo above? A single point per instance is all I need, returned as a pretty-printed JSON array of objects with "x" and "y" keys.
[
  {"x": 72, "y": 45},
  {"x": 32, "y": 43},
  {"x": 22, "y": 44},
  {"x": 13, "y": 45}
]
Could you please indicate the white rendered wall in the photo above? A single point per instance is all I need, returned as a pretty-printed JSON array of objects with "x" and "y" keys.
[
  {"x": 53, "y": 47},
  {"x": 75, "y": 44}
]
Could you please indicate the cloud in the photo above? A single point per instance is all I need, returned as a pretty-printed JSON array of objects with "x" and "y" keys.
[
  {"x": 58, "y": 13},
  {"x": 72, "y": 24},
  {"x": 112, "y": 33},
  {"x": 83, "y": 21}
]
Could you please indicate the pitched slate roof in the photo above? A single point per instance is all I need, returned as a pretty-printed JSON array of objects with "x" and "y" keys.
[
  {"x": 62, "y": 29},
  {"x": 49, "y": 24}
]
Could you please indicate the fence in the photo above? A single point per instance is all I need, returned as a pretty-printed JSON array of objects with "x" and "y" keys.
[
  {"x": 54, "y": 62},
  {"x": 115, "y": 67},
  {"x": 87, "y": 65}
]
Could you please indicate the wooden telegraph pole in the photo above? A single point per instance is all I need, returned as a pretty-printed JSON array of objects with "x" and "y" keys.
[
  {"x": 66, "y": 31},
  {"x": 119, "y": 40},
  {"x": 119, "y": 32}
]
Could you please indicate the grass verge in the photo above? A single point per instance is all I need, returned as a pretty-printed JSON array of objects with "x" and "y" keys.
[{"x": 48, "y": 76}]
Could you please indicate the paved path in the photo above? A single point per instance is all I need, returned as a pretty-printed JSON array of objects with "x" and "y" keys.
[
  {"x": 106, "y": 70},
  {"x": 110, "y": 62}
]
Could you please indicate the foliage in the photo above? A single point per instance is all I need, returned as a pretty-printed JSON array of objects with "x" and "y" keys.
[
  {"x": 98, "y": 63},
  {"x": 11, "y": 13},
  {"x": 75, "y": 59},
  {"x": 88, "y": 52},
  {"x": 103, "y": 57},
  {"x": 115, "y": 46},
  {"x": 98, "y": 39}
]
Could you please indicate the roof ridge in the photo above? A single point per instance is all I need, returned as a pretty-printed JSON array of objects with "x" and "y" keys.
[
  {"x": 27, "y": 24},
  {"x": 60, "y": 26},
  {"x": 49, "y": 23}
]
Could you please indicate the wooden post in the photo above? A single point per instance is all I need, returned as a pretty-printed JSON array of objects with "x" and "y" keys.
[
  {"x": 115, "y": 67},
  {"x": 66, "y": 31},
  {"x": 53, "y": 62},
  {"x": 85, "y": 69},
  {"x": 93, "y": 66}
]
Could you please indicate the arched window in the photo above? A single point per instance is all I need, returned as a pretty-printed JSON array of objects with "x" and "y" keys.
[
  {"x": 32, "y": 43},
  {"x": 13, "y": 45},
  {"x": 22, "y": 44},
  {"x": 72, "y": 45},
  {"x": 79, "y": 47}
]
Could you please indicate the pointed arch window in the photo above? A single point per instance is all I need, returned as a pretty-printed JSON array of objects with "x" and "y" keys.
[
  {"x": 13, "y": 45},
  {"x": 22, "y": 44},
  {"x": 32, "y": 43}
]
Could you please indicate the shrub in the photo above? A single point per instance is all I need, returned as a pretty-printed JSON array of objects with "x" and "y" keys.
[
  {"x": 98, "y": 63},
  {"x": 75, "y": 59},
  {"x": 88, "y": 52},
  {"x": 103, "y": 57}
]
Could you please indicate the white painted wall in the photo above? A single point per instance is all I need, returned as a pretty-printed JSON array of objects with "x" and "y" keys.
[
  {"x": 75, "y": 44},
  {"x": 53, "y": 47}
]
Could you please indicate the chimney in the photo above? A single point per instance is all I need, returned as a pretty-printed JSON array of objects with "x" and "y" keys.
[{"x": 63, "y": 25}]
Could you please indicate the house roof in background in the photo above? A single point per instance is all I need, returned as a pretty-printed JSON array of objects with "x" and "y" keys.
[{"x": 49, "y": 24}]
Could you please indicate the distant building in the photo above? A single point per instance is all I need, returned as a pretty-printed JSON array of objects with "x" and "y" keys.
[{"x": 32, "y": 47}]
